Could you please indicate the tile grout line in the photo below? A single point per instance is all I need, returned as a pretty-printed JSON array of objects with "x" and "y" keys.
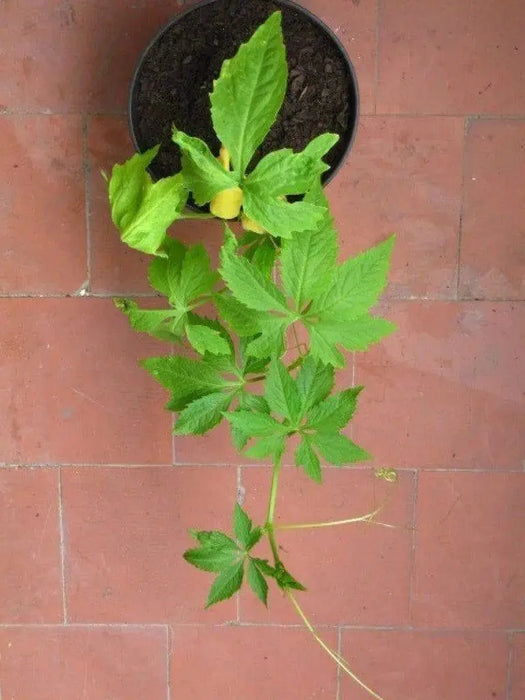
[
  {"x": 411, "y": 582},
  {"x": 87, "y": 197},
  {"x": 510, "y": 664},
  {"x": 338, "y": 672},
  {"x": 256, "y": 465},
  {"x": 168, "y": 661},
  {"x": 62, "y": 547},
  {"x": 466, "y": 127},
  {"x": 376, "y": 66}
]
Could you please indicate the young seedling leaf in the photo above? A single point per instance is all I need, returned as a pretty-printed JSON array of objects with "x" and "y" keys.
[
  {"x": 202, "y": 414},
  {"x": 226, "y": 584},
  {"x": 202, "y": 174},
  {"x": 141, "y": 209},
  {"x": 257, "y": 582},
  {"x": 249, "y": 92}
]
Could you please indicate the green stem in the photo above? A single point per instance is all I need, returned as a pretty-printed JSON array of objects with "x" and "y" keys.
[{"x": 272, "y": 502}]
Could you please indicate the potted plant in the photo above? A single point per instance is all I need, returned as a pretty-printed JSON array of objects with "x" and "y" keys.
[{"x": 278, "y": 280}]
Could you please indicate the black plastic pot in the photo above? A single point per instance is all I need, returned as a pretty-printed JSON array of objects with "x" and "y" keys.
[{"x": 347, "y": 138}]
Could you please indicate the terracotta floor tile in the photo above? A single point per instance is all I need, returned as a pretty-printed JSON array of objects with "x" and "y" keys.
[
  {"x": 75, "y": 391},
  {"x": 42, "y": 211},
  {"x": 517, "y": 684},
  {"x": 126, "y": 530},
  {"x": 74, "y": 55},
  {"x": 354, "y": 23},
  {"x": 404, "y": 177},
  {"x": 493, "y": 236},
  {"x": 426, "y": 665},
  {"x": 30, "y": 583},
  {"x": 444, "y": 57},
  {"x": 355, "y": 574},
  {"x": 250, "y": 662},
  {"x": 469, "y": 568},
  {"x": 445, "y": 390},
  {"x": 70, "y": 663}
]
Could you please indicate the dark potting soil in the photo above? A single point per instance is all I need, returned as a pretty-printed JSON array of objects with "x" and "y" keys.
[{"x": 177, "y": 76}]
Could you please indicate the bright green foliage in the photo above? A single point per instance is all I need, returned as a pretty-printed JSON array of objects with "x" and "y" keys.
[
  {"x": 203, "y": 175},
  {"x": 249, "y": 93},
  {"x": 142, "y": 210},
  {"x": 243, "y": 364}
]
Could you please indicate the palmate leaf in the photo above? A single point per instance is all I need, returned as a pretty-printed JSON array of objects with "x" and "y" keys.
[
  {"x": 315, "y": 381},
  {"x": 281, "y": 392},
  {"x": 249, "y": 92},
  {"x": 339, "y": 449},
  {"x": 204, "y": 339},
  {"x": 257, "y": 582},
  {"x": 141, "y": 209}
]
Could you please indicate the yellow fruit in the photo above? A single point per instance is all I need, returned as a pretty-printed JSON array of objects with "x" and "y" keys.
[
  {"x": 251, "y": 225},
  {"x": 224, "y": 158},
  {"x": 227, "y": 204}
]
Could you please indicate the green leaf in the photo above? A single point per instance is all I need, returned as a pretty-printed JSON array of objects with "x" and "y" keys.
[
  {"x": 187, "y": 379},
  {"x": 226, "y": 584},
  {"x": 217, "y": 551},
  {"x": 162, "y": 324},
  {"x": 264, "y": 257},
  {"x": 202, "y": 414},
  {"x": 335, "y": 412},
  {"x": 161, "y": 270},
  {"x": 308, "y": 262},
  {"x": 354, "y": 335},
  {"x": 358, "y": 284},
  {"x": 255, "y": 424},
  {"x": 267, "y": 447},
  {"x": 196, "y": 276},
  {"x": 244, "y": 321},
  {"x": 205, "y": 339},
  {"x": 257, "y": 582},
  {"x": 248, "y": 284},
  {"x": 284, "y": 172},
  {"x": 249, "y": 92},
  {"x": 242, "y": 525},
  {"x": 277, "y": 217},
  {"x": 281, "y": 392},
  {"x": 202, "y": 173},
  {"x": 338, "y": 449},
  {"x": 141, "y": 209},
  {"x": 305, "y": 457},
  {"x": 315, "y": 381},
  {"x": 270, "y": 341},
  {"x": 285, "y": 580}
]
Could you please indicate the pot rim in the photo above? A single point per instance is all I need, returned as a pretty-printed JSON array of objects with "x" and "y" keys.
[{"x": 283, "y": 3}]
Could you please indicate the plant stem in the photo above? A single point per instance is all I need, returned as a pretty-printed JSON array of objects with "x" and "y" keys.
[
  {"x": 272, "y": 502},
  {"x": 338, "y": 660},
  {"x": 330, "y": 523}
]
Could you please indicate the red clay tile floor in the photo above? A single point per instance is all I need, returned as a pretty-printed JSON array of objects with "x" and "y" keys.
[{"x": 96, "y": 602}]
